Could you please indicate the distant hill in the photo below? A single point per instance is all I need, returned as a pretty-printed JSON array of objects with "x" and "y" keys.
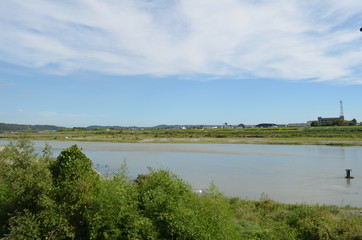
[
  {"x": 7, "y": 127},
  {"x": 110, "y": 127},
  {"x": 155, "y": 127}
]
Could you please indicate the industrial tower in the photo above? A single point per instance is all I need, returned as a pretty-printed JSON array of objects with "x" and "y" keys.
[{"x": 341, "y": 116}]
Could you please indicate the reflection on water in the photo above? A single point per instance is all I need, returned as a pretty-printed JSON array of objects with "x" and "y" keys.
[{"x": 290, "y": 174}]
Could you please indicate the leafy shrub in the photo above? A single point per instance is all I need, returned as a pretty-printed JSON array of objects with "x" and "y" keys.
[
  {"x": 76, "y": 185},
  {"x": 178, "y": 213},
  {"x": 117, "y": 215},
  {"x": 29, "y": 210}
]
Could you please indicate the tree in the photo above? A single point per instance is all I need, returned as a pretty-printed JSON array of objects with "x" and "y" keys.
[
  {"x": 339, "y": 122},
  {"x": 28, "y": 212},
  {"x": 353, "y": 122},
  {"x": 314, "y": 124},
  {"x": 76, "y": 185}
]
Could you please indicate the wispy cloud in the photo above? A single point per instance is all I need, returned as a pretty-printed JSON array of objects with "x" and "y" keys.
[
  {"x": 286, "y": 39},
  {"x": 4, "y": 83}
]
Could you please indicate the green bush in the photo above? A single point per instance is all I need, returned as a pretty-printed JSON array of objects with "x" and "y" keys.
[
  {"x": 178, "y": 213},
  {"x": 75, "y": 189},
  {"x": 117, "y": 215},
  {"x": 29, "y": 212}
]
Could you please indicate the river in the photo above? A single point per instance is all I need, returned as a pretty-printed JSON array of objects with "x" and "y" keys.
[{"x": 286, "y": 173}]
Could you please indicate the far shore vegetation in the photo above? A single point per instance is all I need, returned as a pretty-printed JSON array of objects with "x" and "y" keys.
[
  {"x": 322, "y": 135},
  {"x": 63, "y": 197}
]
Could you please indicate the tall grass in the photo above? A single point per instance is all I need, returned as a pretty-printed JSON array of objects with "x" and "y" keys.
[{"x": 267, "y": 219}]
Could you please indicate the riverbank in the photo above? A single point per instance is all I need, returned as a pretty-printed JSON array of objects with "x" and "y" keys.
[
  {"x": 268, "y": 141},
  {"x": 267, "y": 219},
  {"x": 335, "y": 136},
  {"x": 155, "y": 201}
]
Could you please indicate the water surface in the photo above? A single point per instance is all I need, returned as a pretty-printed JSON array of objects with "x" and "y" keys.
[{"x": 286, "y": 173}]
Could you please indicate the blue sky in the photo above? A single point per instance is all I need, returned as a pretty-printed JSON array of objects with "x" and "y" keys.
[{"x": 144, "y": 63}]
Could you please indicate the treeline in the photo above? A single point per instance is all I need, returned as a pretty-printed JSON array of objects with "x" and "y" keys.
[
  {"x": 6, "y": 127},
  {"x": 42, "y": 197}
]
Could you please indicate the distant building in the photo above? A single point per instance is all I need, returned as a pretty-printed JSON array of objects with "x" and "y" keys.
[{"x": 326, "y": 121}]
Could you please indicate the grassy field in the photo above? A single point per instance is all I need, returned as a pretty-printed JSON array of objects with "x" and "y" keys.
[{"x": 348, "y": 136}]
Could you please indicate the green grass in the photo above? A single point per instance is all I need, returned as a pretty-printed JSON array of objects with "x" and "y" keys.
[
  {"x": 335, "y": 136},
  {"x": 267, "y": 219}
]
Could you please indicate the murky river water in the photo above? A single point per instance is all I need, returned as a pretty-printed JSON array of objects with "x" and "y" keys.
[{"x": 286, "y": 173}]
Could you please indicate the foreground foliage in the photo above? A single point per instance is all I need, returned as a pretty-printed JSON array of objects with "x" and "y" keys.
[
  {"x": 64, "y": 198},
  {"x": 267, "y": 219}
]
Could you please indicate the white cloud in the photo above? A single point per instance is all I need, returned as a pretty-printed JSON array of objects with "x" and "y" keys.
[{"x": 285, "y": 39}]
